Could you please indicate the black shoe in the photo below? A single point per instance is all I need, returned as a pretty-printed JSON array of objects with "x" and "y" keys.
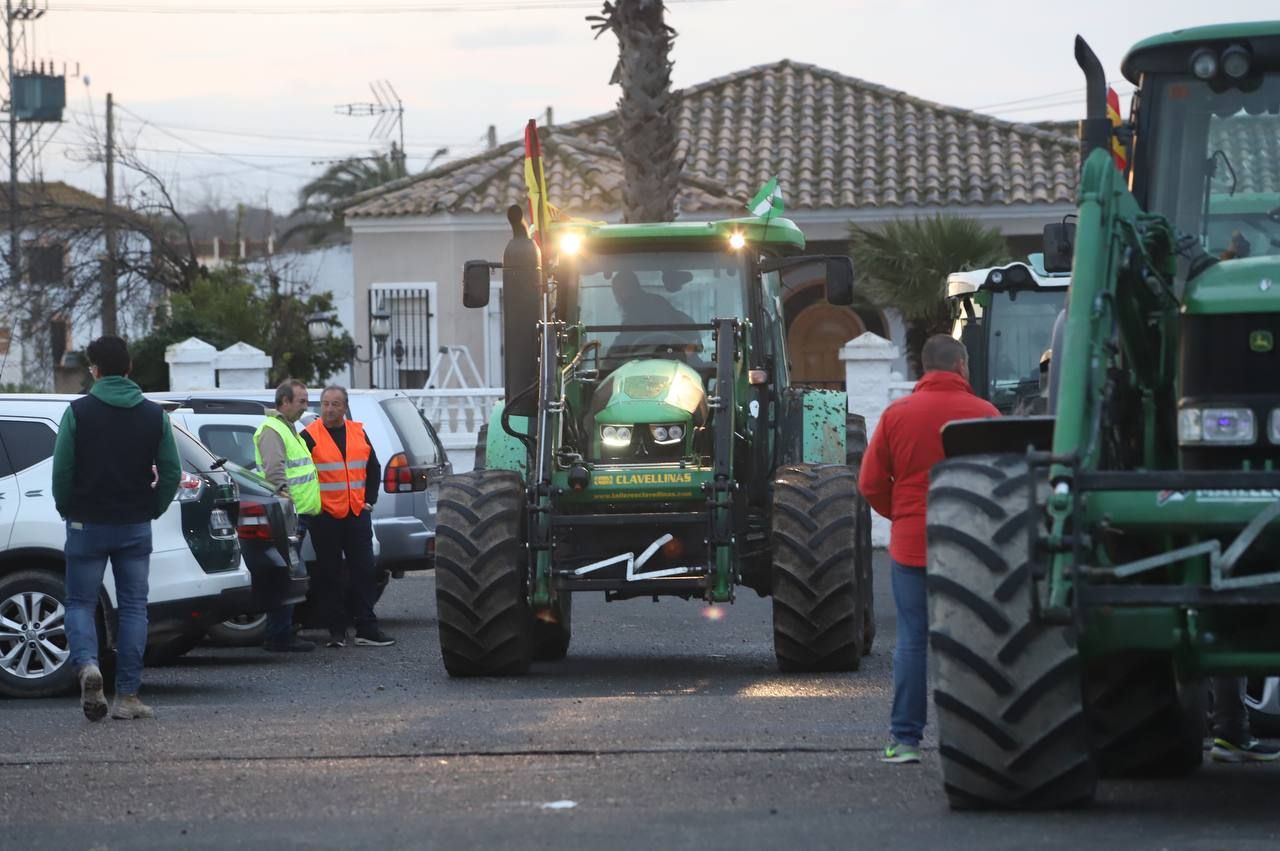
[
  {"x": 374, "y": 638},
  {"x": 337, "y": 639},
  {"x": 292, "y": 645}
]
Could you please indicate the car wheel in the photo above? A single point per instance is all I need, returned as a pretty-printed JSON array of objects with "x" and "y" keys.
[
  {"x": 1262, "y": 698},
  {"x": 35, "y": 656},
  {"x": 241, "y": 631}
]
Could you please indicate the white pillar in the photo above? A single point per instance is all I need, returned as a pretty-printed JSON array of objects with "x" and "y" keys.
[
  {"x": 868, "y": 377},
  {"x": 242, "y": 367},
  {"x": 190, "y": 364}
]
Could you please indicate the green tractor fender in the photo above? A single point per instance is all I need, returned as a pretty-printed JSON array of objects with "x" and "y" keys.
[
  {"x": 498, "y": 450},
  {"x": 812, "y": 426}
]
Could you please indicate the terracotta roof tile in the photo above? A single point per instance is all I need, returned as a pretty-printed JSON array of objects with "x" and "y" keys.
[{"x": 834, "y": 142}]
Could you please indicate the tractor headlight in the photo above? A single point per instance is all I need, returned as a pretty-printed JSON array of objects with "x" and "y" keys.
[
  {"x": 1223, "y": 426},
  {"x": 1235, "y": 61},
  {"x": 1204, "y": 64},
  {"x": 616, "y": 435},
  {"x": 666, "y": 434}
]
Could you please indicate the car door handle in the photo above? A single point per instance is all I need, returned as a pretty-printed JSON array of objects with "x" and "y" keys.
[{"x": 33, "y": 494}]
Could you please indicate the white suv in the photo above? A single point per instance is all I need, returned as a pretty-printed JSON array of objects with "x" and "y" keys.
[{"x": 189, "y": 591}]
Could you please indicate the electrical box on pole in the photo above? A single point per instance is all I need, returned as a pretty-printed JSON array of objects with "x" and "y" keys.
[{"x": 39, "y": 97}]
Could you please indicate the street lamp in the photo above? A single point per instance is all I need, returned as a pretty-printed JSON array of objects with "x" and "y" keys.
[{"x": 320, "y": 326}]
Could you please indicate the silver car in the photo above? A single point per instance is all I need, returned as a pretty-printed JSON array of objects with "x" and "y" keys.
[{"x": 413, "y": 460}]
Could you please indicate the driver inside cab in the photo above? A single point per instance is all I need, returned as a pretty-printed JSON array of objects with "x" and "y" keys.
[{"x": 638, "y": 306}]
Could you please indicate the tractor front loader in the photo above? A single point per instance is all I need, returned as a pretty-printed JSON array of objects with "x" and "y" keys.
[
  {"x": 650, "y": 445},
  {"x": 1081, "y": 590}
]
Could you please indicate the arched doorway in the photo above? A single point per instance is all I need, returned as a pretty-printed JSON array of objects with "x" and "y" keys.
[{"x": 817, "y": 332}]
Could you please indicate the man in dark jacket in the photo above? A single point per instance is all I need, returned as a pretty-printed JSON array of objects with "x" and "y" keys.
[
  {"x": 115, "y": 469},
  {"x": 895, "y": 482}
]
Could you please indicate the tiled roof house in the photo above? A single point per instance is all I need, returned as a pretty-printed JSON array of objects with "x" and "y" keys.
[{"x": 844, "y": 150}]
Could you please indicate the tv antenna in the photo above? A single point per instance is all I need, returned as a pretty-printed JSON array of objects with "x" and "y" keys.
[{"x": 389, "y": 110}]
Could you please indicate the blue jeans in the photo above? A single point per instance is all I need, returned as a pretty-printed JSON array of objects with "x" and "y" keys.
[
  {"x": 279, "y": 625},
  {"x": 128, "y": 546},
  {"x": 910, "y": 689}
]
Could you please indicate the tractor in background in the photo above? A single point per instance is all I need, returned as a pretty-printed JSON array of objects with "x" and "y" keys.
[{"x": 1004, "y": 316}]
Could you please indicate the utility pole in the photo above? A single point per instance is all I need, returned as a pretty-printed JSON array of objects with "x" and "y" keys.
[
  {"x": 15, "y": 255},
  {"x": 109, "y": 282}
]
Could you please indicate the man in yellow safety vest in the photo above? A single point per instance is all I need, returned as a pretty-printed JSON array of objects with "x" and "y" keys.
[{"x": 285, "y": 462}]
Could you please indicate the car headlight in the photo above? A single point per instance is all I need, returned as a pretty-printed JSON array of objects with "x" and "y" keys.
[
  {"x": 616, "y": 435},
  {"x": 1275, "y": 426},
  {"x": 1223, "y": 426},
  {"x": 667, "y": 434}
]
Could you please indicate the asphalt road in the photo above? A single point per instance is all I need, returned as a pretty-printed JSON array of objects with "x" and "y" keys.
[{"x": 666, "y": 727}]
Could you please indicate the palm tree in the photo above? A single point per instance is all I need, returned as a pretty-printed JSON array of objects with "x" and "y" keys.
[
  {"x": 647, "y": 110},
  {"x": 905, "y": 264},
  {"x": 340, "y": 182}
]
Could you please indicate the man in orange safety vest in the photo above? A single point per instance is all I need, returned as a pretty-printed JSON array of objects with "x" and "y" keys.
[{"x": 349, "y": 474}]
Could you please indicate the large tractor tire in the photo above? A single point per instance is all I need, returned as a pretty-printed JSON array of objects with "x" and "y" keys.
[
  {"x": 486, "y": 628},
  {"x": 817, "y": 607},
  {"x": 1008, "y": 688},
  {"x": 1145, "y": 724},
  {"x": 551, "y": 635},
  {"x": 855, "y": 446}
]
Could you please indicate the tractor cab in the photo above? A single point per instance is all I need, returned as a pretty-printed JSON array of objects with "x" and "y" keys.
[
  {"x": 1004, "y": 316},
  {"x": 1210, "y": 108}
]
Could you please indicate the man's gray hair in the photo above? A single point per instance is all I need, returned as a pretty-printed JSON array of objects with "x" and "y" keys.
[
  {"x": 337, "y": 388},
  {"x": 284, "y": 393},
  {"x": 942, "y": 352}
]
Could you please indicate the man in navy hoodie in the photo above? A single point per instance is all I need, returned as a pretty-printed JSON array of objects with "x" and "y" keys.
[{"x": 115, "y": 469}]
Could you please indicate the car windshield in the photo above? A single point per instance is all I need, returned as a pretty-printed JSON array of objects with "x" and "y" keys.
[
  {"x": 670, "y": 288},
  {"x": 1020, "y": 328},
  {"x": 1213, "y": 169}
]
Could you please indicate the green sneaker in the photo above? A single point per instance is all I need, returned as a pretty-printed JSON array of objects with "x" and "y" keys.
[
  {"x": 1250, "y": 751},
  {"x": 900, "y": 754}
]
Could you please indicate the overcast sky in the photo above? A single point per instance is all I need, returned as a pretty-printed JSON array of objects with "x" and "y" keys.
[{"x": 255, "y": 78}]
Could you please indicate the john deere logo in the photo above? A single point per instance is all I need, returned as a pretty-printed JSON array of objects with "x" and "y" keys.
[{"x": 1262, "y": 341}]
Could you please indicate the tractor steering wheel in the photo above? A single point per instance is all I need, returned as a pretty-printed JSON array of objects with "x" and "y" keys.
[{"x": 653, "y": 342}]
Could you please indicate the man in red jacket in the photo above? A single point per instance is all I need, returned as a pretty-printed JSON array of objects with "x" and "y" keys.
[{"x": 895, "y": 482}]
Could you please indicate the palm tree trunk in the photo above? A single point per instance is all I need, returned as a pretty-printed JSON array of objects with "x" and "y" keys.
[
  {"x": 917, "y": 331},
  {"x": 647, "y": 111}
]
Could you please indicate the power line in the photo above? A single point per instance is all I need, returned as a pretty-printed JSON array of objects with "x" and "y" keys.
[
  {"x": 249, "y": 134},
  {"x": 416, "y": 8},
  {"x": 1055, "y": 96}
]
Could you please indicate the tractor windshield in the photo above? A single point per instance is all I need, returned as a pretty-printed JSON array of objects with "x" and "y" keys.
[
  {"x": 658, "y": 292},
  {"x": 1020, "y": 328},
  {"x": 1215, "y": 163}
]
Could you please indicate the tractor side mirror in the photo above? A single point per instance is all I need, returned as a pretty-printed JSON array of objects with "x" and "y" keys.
[
  {"x": 475, "y": 283},
  {"x": 1059, "y": 246},
  {"x": 839, "y": 280}
]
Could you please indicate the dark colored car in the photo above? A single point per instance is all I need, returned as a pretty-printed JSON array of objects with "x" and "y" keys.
[
  {"x": 269, "y": 532},
  {"x": 210, "y": 503}
]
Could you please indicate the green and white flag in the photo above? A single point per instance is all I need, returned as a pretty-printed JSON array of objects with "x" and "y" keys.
[{"x": 768, "y": 201}]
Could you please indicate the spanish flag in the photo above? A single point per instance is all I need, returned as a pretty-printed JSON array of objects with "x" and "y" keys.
[
  {"x": 1113, "y": 112},
  {"x": 536, "y": 180}
]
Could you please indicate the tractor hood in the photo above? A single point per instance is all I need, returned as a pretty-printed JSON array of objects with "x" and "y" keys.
[
  {"x": 1249, "y": 285},
  {"x": 651, "y": 391}
]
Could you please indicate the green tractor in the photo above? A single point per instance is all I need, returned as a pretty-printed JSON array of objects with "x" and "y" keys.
[
  {"x": 1005, "y": 316},
  {"x": 650, "y": 445},
  {"x": 1088, "y": 571}
]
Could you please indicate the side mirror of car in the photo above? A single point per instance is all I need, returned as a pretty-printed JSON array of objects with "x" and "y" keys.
[
  {"x": 1059, "y": 246},
  {"x": 475, "y": 283}
]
